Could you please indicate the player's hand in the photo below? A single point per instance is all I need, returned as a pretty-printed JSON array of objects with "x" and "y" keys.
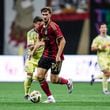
[
  {"x": 58, "y": 59},
  {"x": 103, "y": 47},
  {"x": 106, "y": 46},
  {"x": 41, "y": 43}
]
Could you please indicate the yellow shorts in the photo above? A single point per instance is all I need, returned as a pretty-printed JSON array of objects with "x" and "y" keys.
[
  {"x": 30, "y": 65},
  {"x": 104, "y": 63}
]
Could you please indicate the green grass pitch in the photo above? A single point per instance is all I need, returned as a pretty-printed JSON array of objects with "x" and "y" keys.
[{"x": 84, "y": 97}]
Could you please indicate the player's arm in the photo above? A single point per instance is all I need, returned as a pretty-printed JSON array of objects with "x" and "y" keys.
[
  {"x": 97, "y": 44},
  {"x": 30, "y": 41},
  {"x": 30, "y": 46},
  {"x": 60, "y": 41},
  {"x": 106, "y": 45},
  {"x": 61, "y": 44},
  {"x": 100, "y": 47},
  {"x": 37, "y": 45},
  {"x": 94, "y": 48}
]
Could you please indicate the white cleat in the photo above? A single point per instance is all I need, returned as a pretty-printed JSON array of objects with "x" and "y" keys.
[
  {"x": 106, "y": 92},
  {"x": 50, "y": 99},
  {"x": 70, "y": 86}
]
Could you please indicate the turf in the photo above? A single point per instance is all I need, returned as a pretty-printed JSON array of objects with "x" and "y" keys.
[{"x": 84, "y": 97}]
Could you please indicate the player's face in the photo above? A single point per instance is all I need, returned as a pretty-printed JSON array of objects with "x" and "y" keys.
[
  {"x": 103, "y": 29},
  {"x": 46, "y": 16},
  {"x": 36, "y": 25}
]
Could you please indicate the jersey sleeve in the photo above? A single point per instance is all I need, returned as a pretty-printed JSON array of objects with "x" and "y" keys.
[
  {"x": 31, "y": 38},
  {"x": 94, "y": 43},
  {"x": 57, "y": 30},
  {"x": 97, "y": 42}
]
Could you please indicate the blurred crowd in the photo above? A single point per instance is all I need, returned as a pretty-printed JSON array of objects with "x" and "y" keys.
[{"x": 68, "y": 6}]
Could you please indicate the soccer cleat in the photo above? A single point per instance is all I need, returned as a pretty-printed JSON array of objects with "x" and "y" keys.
[
  {"x": 50, "y": 100},
  {"x": 92, "y": 80},
  {"x": 106, "y": 92},
  {"x": 27, "y": 97},
  {"x": 70, "y": 86}
]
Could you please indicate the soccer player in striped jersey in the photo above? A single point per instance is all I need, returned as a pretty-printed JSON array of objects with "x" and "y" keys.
[
  {"x": 101, "y": 44},
  {"x": 32, "y": 61}
]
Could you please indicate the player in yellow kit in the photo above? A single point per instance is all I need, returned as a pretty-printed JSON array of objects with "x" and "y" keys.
[
  {"x": 32, "y": 62},
  {"x": 101, "y": 44}
]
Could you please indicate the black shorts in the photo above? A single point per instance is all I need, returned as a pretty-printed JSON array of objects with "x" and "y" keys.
[{"x": 48, "y": 63}]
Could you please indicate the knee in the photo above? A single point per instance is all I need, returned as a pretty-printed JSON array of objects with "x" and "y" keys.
[
  {"x": 40, "y": 77},
  {"x": 29, "y": 75},
  {"x": 54, "y": 80},
  {"x": 107, "y": 73}
]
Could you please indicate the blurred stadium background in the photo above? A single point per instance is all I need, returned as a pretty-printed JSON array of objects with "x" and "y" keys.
[{"x": 78, "y": 20}]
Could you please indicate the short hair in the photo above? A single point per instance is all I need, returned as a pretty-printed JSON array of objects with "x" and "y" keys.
[
  {"x": 45, "y": 9},
  {"x": 36, "y": 19},
  {"x": 101, "y": 23}
]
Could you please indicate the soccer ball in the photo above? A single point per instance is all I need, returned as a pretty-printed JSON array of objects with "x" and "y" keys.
[{"x": 35, "y": 96}]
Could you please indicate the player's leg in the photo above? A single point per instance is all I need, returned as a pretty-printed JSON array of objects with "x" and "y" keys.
[
  {"x": 44, "y": 85},
  {"x": 93, "y": 78},
  {"x": 43, "y": 66},
  {"x": 105, "y": 84},
  {"x": 106, "y": 71},
  {"x": 29, "y": 69},
  {"x": 55, "y": 70},
  {"x": 27, "y": 85},
  {"x": 35, "y": 67}
]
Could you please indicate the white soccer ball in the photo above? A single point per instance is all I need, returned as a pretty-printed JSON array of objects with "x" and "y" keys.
[{"x": 35, "y": 96}]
